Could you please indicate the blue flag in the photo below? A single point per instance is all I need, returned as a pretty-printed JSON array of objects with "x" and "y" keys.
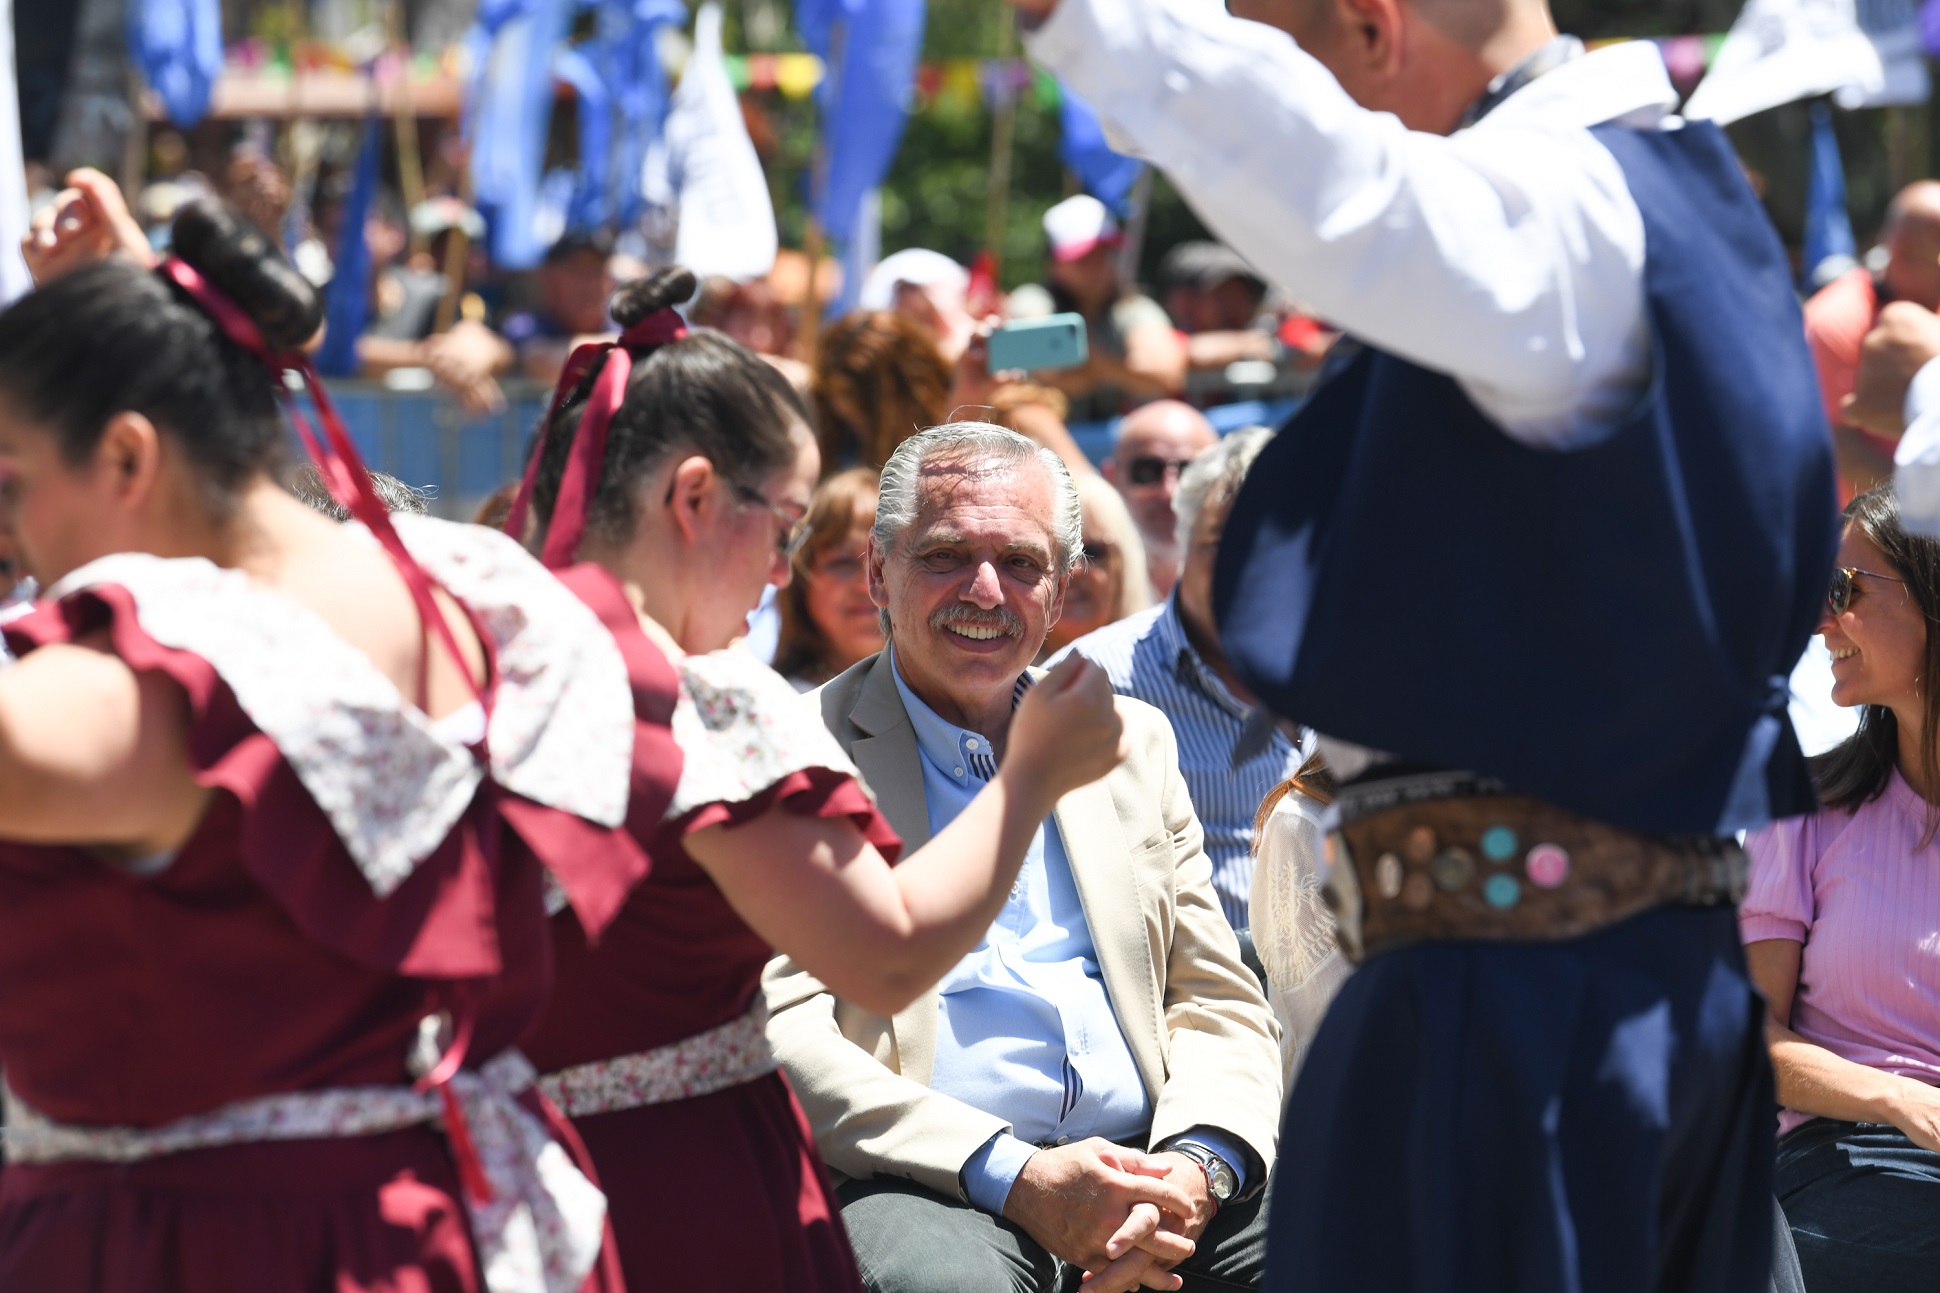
[
  {"x": 591, "y": 203},
  {"x": 1829, "y": 246},
  {"x": 346, "y": 304},
  {"x": 1106, "y": 175},
  {"x": 870, "y": 48},
  {"x": 508, "y": 112},
  {"x": 630, "y": 42},
  {"x": 177, "y": 44}
]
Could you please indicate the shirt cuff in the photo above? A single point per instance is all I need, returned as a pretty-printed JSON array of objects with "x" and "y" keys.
[
  {"x": 1215, "y": 1141},
  {"x": 991, "y": 1171},
  {"x": 1923, "y": 393},
  {"x": 1916, "y": 474},
  {"x": 1755, "y": 927}
]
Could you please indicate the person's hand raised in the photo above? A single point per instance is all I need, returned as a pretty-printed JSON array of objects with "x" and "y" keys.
[
  {"x": 1088, "y": 1203},
  {"x": 1066, "y": 732},
  {"x": 1901, "y": 342},
  {"x": 88, "y": 222}
]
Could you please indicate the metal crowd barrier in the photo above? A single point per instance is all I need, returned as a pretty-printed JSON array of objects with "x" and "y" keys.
[{"x": 421, "y": 436}]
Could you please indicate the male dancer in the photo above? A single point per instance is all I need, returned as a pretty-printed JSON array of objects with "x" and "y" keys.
[{"x": 1562, "y": 518}]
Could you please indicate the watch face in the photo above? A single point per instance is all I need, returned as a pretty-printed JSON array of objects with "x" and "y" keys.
[{"x": 1223, "y": 1182}]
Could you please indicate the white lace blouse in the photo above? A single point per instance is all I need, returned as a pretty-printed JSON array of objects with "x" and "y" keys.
[{"x": 1292, "y": 928}]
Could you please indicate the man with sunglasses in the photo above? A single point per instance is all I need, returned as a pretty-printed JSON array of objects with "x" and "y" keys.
[
  {"x": 1551, "y": 531},
  {"x": 1155, "y": 442}
]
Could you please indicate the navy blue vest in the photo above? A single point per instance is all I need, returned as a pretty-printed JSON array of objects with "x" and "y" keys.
[{"x": 1609, "y": 629}]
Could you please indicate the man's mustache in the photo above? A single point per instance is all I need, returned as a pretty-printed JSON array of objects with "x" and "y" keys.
[{"x": 972, "y": 617}]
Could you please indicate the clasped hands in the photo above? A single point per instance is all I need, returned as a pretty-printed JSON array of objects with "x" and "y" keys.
[{"x": 1124, "y": 1217}]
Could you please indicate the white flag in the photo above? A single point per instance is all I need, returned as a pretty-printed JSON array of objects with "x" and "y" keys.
[
  {"x": 13, "y": 171},
  {"x": 1780, "y": 51},
  {"x": 1894, "y": 28},
  {"x": 727, "y": 219}
]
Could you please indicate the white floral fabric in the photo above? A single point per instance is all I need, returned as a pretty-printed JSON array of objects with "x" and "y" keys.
[
  {"x": 540, "y": 1232},
  {"x": 1293, "y": 929},
  {"x": 392, "y": 783},
  {"x": 741, "y": 728},
  {"x": 719, "y": 1058}
]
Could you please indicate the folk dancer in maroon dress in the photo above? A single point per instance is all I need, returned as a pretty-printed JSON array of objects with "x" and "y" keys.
[
  {"x": 679, "y": 467},
  {"x": 278, "y": 804}
]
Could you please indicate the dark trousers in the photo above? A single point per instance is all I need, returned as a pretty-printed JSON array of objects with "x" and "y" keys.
[
  {"x": 1591, "y": 1116},
  {"x": 1864, "y": 1205},
  {"x": 909, "y": 1240}
]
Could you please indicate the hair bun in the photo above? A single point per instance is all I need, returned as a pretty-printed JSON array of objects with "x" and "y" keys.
[
  {"x": 241, "y": 261},
  {"x": 657, "y": 291}
]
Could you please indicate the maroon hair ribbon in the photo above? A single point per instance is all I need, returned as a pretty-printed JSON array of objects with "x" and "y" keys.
[
  {"x": 580, "y": 483},
  {"x": 341, "y": 467}
]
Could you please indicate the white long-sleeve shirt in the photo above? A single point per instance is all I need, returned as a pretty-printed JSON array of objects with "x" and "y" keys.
[
  {"x": 1916, "y": 462},
  {"x": 1509, "y": 255}
]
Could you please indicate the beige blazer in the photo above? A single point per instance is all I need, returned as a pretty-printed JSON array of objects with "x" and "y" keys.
[{"x": 1203, "y": 1037}]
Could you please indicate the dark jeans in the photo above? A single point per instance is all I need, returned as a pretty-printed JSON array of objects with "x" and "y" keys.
[
  {"x": 908, "y": 1240},
  {"x": 1864, "y": 1204}
]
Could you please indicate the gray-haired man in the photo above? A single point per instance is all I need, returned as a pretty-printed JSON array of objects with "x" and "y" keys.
[{"x": 1101, "y": 1066}]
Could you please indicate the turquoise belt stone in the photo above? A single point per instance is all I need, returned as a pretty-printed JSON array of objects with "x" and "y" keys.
[{"x": 1412, "y": 862}]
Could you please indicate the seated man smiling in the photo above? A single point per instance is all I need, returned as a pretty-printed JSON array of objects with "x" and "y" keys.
[{"x": 1098, "y": 1082}]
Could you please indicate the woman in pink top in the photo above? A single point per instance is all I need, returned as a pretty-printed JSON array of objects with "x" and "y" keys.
[{"x": 1842, "y": 932}]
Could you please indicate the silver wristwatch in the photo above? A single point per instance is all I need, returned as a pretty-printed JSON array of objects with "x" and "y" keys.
[{"x": 1221, "y": 1180}]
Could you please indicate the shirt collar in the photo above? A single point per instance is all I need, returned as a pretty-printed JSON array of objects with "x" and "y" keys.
[
  {"x": 1625, "y": 82},
  {"x": 1177, "y": 650},
  {"x": 958, "y": 753}
]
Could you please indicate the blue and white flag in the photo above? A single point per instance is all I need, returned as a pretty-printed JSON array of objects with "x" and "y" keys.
[{"x": 1866, "y": 53}]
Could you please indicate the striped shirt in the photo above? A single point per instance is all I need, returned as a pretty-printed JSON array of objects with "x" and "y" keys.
[{"x": 1148, "y": 658}]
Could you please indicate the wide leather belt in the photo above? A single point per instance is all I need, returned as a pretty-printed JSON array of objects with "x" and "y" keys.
[{"x": 1446, "y": 857}]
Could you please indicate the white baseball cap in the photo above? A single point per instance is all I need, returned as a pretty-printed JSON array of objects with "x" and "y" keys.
[
  {"x": 916, "y": 266},
  {"x": 1077, "y": 225}
]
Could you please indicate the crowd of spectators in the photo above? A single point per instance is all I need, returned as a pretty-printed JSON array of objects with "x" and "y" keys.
[
  {"x": 935, "y": 468},
  {"x": 439, "y": 313}
]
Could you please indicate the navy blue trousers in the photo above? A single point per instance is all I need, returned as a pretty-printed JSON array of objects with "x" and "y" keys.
[
  {"x": 1592, "y": 1116},
  {"x": 1864, "y": 1203}
]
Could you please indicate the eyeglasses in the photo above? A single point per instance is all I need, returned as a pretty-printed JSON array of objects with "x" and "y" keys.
[
  {"x": 1150, "y": 469},
  {"x": 1844, "y": 591},
  {"x": 794, "y": 529}
]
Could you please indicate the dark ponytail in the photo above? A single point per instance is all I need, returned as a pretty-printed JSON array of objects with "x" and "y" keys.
[
  {"x": 112, "y": 337},
  {"x": 704, "y": 394}
]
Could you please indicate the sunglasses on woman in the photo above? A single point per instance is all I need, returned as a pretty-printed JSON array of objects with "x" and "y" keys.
[{"x": 1843, "y": 591}]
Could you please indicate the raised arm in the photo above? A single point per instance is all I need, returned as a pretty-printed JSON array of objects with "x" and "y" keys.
[
  {"x": 1509, "y": 256},
  {"x": 93, "y": 753},
  {"x": 1813, "y": 1080},
  {"x": 818, "y": 892}
]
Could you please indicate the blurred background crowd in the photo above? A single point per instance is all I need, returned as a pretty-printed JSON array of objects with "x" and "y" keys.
[{"x": 468, "y": 181}]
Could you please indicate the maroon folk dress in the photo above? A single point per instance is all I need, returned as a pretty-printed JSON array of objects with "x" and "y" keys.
[
  {"x": 721, "y": 1191},
  {"x": 275, "y": 954}
]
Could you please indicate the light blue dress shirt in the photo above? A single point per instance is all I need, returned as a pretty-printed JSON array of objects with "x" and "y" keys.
[{"x": 1025, "y": 1029}]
